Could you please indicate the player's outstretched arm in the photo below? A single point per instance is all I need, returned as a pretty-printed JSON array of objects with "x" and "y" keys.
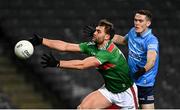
[
  {"x": 48, "y": 60},
  {"x": 55, "y": 44},
  {"x": 88, "y": 62},
  {"x": 61, "y": 45}
]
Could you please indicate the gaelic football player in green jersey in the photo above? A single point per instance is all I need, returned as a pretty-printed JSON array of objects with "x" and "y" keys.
[{"x": 103, "y": 54}]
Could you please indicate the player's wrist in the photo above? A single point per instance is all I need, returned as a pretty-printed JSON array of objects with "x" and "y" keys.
[
  {"x": 36, "y": 40},
  {"x": 142, "y": 70}
]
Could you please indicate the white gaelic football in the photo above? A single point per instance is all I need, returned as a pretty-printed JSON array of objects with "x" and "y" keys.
[{"x": 23, "y": 49}]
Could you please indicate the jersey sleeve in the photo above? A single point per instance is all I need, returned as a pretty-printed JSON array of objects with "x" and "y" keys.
[
  {"x": 83, "y": 47},
  {"x": 153, "y": 44},
  {"x": 103, "y": 56},
  {"x": 88, "y": 48},
  {"x": 127, "y": 35}
]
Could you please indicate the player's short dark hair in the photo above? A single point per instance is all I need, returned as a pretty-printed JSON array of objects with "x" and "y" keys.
[
  {"x": 109, "y": 27},
  {"x": 147, "y": 13}
]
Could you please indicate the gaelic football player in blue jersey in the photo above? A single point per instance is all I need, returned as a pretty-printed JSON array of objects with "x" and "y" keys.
[{"x": 143, "y": 56}]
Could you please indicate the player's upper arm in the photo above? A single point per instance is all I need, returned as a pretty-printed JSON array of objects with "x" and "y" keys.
[
  {"x": 90, "y": 62},
  {"x": 118, "y": 39},
  {"x": 151, "y": 55}
]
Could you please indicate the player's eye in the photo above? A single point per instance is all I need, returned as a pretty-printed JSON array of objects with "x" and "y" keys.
[
  {"x": 138, "y": 20},
  {"x": 98, "y": 31},
  {"x": 135, "y": 20}
]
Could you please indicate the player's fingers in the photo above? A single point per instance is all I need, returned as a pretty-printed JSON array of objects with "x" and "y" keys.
[
  {"x": 47, "y": 56},
  {"x": 86, "y": 31},
  {"x": 44, "y": 66},
  {"x": 44, "y": 58},
  {"x": 90, "y": 28},
  {"x": 36, "y": 35},
  {"x": 87, "y": 28},
  {"x": 51, "y": 55},
  {"x": 43, "y": 63}
]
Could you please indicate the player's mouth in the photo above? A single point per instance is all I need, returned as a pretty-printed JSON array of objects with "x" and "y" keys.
[{"x": 137, "y": 28}]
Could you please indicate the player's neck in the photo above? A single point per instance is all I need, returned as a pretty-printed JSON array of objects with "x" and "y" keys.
[
  {"x": 141, "y": 33},
  {"x": 103, "y": 45}
]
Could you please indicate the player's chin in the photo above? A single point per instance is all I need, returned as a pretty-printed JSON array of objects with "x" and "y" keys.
[
  {"x": 94, "y": 39},
  {"x": 138, "y": 30}
]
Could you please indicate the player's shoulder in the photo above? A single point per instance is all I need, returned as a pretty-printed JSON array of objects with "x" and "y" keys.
[
  {"x": 104, "y": 53},
  {"x": 132, "y": 30},
  {"x": 152, "y": 37},
  {"x": 88, "y": 44},
  {"x": 91, "y": 43},
  {"x": 131, "y": 33}
]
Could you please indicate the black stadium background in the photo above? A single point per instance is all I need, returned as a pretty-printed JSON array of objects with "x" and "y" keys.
[{"x": 25, "y": 84}]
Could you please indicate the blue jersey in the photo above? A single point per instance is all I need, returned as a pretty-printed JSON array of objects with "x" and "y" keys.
[{"x": 137, "y": 55}]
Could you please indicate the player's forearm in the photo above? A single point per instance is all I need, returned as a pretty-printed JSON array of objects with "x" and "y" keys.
[
  {"x": 73, "y": 64},
  {"x": 60, "y": 45},
  {"x": 88, "y": 62},
  {"x": 55, "y": 44},
  {"x": 118, "y": 39},
  {"x": 149, "y": 65},
  {"x": 151, "y": 58}
]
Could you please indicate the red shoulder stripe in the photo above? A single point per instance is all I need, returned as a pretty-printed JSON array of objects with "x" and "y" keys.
[{"x": 111, "y": 47}]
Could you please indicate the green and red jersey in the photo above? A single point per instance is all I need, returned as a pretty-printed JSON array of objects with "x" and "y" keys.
[{"x": 113, "y": 65}]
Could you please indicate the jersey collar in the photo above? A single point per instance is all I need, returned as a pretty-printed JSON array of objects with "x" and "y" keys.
[
  {"x": 105, "y": 46},
  {"x": 144, "y": 34}
]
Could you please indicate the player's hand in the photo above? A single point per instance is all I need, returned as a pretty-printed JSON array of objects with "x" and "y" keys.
[
  {"x": 88, "y": 31},
  {"x": 112, "y": 32},
  {"x": 49, "y": 61},
  {"x": 140, "y": 72},
  {"x": 36, "y": 40}
]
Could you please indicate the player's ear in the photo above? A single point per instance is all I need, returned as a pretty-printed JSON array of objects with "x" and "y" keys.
[
  {"x": 107, "y": 36},
  {"x": 148, "y": 23}
]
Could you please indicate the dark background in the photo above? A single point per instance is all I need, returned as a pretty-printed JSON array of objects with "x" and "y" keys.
[{"x": 25, "y": 84}]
